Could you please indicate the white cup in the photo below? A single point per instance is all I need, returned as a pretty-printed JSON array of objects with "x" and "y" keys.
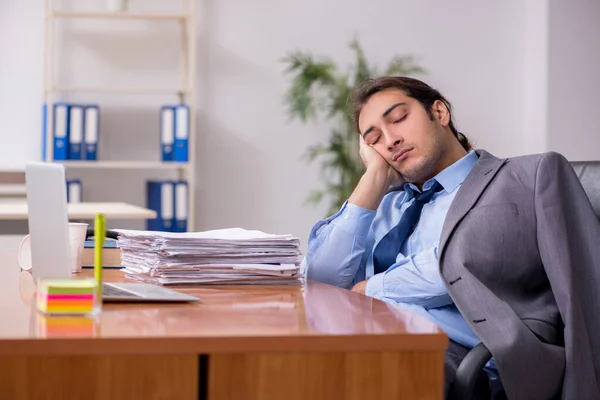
[{"x": 77, "y": 233}]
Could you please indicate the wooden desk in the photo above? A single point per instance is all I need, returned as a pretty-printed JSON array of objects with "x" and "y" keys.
[{"x": 244, "y": 342}]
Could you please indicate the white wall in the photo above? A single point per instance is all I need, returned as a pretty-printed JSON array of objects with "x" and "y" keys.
[
  {"x": 479, "y": 54},
  {"x": 21, "y": 61},
  {"x": 574, "y": 83},
  {"x": 534, "y": 113}
]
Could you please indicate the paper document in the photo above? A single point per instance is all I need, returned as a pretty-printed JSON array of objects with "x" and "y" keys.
[{"x": 234, "y": 256}]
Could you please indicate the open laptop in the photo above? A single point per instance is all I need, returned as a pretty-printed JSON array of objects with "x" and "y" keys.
[{"x": 49, "y": 229}]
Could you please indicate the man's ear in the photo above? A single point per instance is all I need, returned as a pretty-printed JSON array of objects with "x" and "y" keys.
[{"x": 440, "y": 112}]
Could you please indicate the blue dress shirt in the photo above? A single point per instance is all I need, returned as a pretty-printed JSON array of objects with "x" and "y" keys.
[{"x": 340, "y": 252}]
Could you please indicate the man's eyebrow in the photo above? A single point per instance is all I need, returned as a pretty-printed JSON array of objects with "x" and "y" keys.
[
  {"x": 367, "y": 131},
  {"x": 385, "y": 114},
  {"x": 389, "y": 110}
]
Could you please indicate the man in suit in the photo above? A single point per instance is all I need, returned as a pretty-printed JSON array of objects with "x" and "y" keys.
[{"x": 499, "y": 251}]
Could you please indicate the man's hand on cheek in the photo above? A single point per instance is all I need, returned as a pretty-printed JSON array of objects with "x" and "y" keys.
[
  {"x": 376, "y": 162},
  {"x": 370, "y": 157},
  {"x": 376, "y": 181}
]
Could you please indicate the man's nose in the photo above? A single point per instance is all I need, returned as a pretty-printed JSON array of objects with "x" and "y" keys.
[{"x": 391, "y": 141}]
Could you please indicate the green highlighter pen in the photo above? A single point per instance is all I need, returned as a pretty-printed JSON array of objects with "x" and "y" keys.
[{"x": 99, "y": 237}]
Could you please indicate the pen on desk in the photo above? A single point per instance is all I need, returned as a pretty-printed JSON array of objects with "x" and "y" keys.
[{"x": 99, "y": 236}]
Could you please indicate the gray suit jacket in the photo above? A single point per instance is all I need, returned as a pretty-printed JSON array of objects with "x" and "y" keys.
[{"x": 520, "y": 256}]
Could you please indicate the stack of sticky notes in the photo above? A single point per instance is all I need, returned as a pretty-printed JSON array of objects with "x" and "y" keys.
[{"x": 64, "y": 296}]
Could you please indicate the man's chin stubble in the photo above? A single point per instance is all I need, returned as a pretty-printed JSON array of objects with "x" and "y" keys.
[{"x": 416, "y": 174}]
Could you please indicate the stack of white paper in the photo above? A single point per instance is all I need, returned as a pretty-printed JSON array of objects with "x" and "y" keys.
[{"x": 221, "y": 256}]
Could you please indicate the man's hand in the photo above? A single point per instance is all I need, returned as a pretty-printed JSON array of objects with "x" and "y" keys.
[
  {"x": 375, "y": 161},
  {"x": 377, "y": 179},
  {"x": 360, "y": 287}
]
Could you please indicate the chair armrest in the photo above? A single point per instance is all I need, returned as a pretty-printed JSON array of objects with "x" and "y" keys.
[{"x": 468, "y": 371}]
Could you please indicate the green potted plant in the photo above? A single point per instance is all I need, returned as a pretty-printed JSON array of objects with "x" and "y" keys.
[{"x": 319, "y": 88}]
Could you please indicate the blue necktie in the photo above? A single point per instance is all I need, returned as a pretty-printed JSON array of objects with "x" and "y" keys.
[{"x": 388, "y": 248}]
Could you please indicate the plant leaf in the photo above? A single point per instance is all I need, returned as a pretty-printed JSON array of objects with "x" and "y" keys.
[
  {"x": 340, "y": 92},
  {"x": 403, "y": 66},
  {"x": 315, "y": 197},
  {"x": 310, "y": 76},
  {"x": 362, "y": 71}
]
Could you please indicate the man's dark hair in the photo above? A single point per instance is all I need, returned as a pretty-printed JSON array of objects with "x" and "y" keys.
[{"x": 418, "y": 90}]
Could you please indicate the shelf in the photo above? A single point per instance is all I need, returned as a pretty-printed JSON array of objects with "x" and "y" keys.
[
  {"x": 123, "y": 90},
  {"x": 12, "y": 190},
  {"x": 17, "y": 210},
  {"x": 123, "y": 164},
  {"x": 124, "y": 15}
]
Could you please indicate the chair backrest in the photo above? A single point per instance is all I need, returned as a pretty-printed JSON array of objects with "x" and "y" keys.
[{"x": 588, "y": 173}]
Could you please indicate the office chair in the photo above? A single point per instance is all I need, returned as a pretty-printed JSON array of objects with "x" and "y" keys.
[{"x": 468, "y": 371}]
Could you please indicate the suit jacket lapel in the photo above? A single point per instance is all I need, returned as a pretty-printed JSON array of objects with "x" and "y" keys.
[{"x": 471, "y": 189}]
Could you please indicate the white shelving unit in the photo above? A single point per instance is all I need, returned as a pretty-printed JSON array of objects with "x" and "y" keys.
[{"x": 184, "y": 92}]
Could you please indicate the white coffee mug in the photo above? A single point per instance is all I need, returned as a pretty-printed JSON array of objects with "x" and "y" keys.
[{"x": 77, "y": 232}]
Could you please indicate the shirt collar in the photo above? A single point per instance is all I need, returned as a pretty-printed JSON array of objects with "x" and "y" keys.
[{"x": 451, "y": 177}]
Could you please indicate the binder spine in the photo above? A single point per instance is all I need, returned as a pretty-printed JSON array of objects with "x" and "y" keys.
[
  {"x": 60, "y": 131},
  {"x": 153, "y": 203},
  {"x": 167, "y": 206},
  {"x": 181, "y": 206},
  {"x": 159, "y": 197},
  {"x": 74, "y": 191},
  {"x": 167, "y": 132},
  {"x": 91, "y": 132},
  {"x": 182, "y": 132},
  {"x": 76, "y": 126}
]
